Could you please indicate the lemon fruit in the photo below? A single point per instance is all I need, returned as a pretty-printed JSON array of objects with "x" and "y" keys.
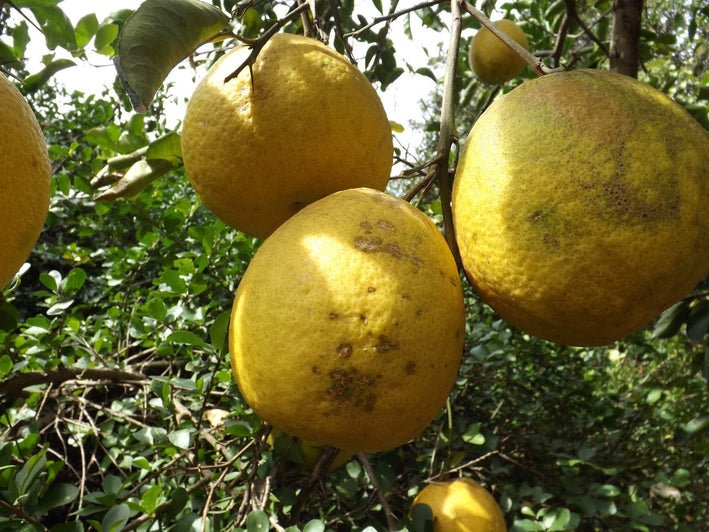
[
  {"x": 25, "y": 180},
  {"x": 580, "y": 206},
  {"x": 347, "y": 328},
  {"x": 462, "y": 505},
  {"x": 301, "y": 123},
  {"x": 491, "y": 59},
  {"x": 307, "y": 453}
]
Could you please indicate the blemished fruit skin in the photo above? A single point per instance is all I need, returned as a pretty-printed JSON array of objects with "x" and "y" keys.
[
  {"x": 347, "y": 327},
  {"x": 580, "y": 206},
  {"x": 25, "y": 180},
  {"x": 462, "y": 505},
  {"x": 491, "y": 59},
  {"x": 302, "y": 123}
]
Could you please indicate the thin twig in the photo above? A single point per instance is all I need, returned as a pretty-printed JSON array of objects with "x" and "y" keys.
[
  {"x": 15, "y": 385},
  {"x": 391, "y": 524},
  {"x": 259, "y": 43},
  {"x": 335, "y": 9},
  {"x": 571, "y": 11},
  {"x": 447, "y": 129},
  {"x": 393, "y": 16}
]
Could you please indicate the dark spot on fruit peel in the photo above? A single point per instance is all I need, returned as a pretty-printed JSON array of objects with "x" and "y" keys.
[
  {"x": 411, "y": 368},
  {"x": 349, "y": 388},
  {"x": 386, "y": 225},
  {"x": 334, "y": 315},
  {"x": 374, "y": 244},
  {"x": 371, "y": 289},
  {"x": 385, "y": 345},
  {"x": 344, "y": 350}
]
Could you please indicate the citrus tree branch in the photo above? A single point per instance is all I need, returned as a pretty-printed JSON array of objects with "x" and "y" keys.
[
  {"x": 447, "y": 131},
  {"x": 257, "y": 44},
  {"x": 571, "y": 12},
  {"x": 534, "y": 62},
  {"x": 393, "y": 15},
  {"x": 16, "y": 384}
]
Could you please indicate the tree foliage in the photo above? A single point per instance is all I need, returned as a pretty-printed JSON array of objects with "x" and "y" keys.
[{"x": 119, "y": 410}]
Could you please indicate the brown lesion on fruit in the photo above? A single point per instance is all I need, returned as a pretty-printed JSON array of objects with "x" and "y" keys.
[
  {"x": 623, "y": 202},
  {"x": 410, "y": 367},
  {"x": 371, "y": 289},
  {"x": 547, "y": 222},
  {"x": 367, "y": 227},
  {"x": 386, "y": 225},
  {"x": 384, "y": 345},
  {"x": 375, "y": 244},
  {"x": 344, "y": 350},
  {"x": 350, "y": 388},
  {"x": 334, "y": 315}
]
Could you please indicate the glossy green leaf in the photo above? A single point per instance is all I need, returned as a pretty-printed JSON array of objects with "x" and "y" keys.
[
  {"x": 57, "y": 495},
  {"x": 36, "y": 81},
  {"x": 257, "y": 521},
  {"x": 671, "y": 320},
  {"x": 116, "y": 518},
  {"x": 155, "y": 38},
  {"x": 138, "y": 176},
  {"x": 85, "y": 29}
]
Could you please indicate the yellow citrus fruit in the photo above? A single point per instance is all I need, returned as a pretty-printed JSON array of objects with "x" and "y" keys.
[
  {"x": 347, "y": 328},
  {"x": 462, "y": 505},
  {"x": 308, "y": 452},
  {"x": 491, "y": 59},
  {"x": 25, "y": 180},
  {"x": 580, "y": 206},
  {"x": 302, "y": 123}
]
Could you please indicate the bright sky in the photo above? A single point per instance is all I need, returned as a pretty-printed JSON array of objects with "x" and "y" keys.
[{"x": 401, "y": 100}]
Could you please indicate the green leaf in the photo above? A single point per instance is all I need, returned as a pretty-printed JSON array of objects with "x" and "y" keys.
[
  {"x": 427, "y": 72},
  {"x": 155, "y": 38},
  {"x": 56, "y": 26},
  {"x": 186, "y": 338},
  {"x": 180, "y": 438},
  {"x": 698, "y": 322},
  {"x": 151, "y": 499},
  {"x": 73, "y": 282},
  {"x": 671, "y": 320},
  {"x": 85, "y": 29},
  {"x": 138, "y": 176},
  {"x": 116, "y": 518},
  {"x": 691, "y": 429},
  {"x": 314, "y": 525},
  {"x": 167, "y": 147},
  {"x": 57, "y": 495},
  {"x": 257, "y": 521},
  {"x": 105, "y": 36},
  {"x": 24, "y": 478},
  {"x": 9, "y": 316},
  {"x": 5, "y": 365},
  {"x": 36, "y": 81},
  {"x": 421, "y": 518},
  {"x": 219, "y": 332}
]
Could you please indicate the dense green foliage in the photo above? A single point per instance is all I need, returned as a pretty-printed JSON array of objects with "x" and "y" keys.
[{"x": 119, "y": 410}]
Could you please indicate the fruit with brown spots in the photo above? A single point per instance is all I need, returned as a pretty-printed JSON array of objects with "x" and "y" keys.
[
  {"x": 580, "y": 206},
  {"x": 348, "y": 325}
]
